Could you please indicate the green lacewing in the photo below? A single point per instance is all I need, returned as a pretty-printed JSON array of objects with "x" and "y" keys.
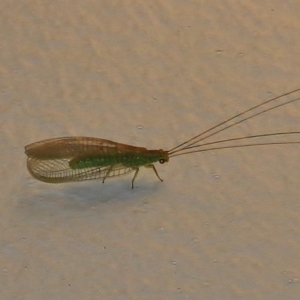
[{"x": 69, "y": 159}]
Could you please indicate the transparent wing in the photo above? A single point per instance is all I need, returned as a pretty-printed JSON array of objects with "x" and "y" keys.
[
  {"x": 67, "y": 147},
  {"x": 58, "y": 170}
]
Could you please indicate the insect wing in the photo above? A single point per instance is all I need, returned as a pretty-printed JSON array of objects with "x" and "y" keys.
[
  {"x": 68, "y": 147},
  {"x": 58, "y": 171},
  {"x": 49, "y": 160}
]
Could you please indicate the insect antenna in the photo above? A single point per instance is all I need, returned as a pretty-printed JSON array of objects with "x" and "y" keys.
[
  {"x": 186, "y": 150},
  {"x": 218, "y": 128}
]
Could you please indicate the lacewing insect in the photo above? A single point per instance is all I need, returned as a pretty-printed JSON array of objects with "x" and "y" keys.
[{"x": 69, "y": 159}]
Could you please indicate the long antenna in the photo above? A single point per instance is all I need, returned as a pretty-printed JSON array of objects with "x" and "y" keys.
[
  {"x": 196, "y": 139},
  {"x": 185, "y": 150}
]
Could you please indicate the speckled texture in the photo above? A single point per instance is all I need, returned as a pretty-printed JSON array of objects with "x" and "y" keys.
[{"x": 223, "y": 224}]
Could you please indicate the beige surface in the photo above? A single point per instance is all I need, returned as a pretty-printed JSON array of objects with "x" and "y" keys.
[{"x": 224, "y": 224}]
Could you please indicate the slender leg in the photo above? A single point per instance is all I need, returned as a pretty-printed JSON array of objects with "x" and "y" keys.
[
  {"x": 153, "y": 167},
  {"x": 107, "y": 173},
  {"x": 135, "y": 174}
]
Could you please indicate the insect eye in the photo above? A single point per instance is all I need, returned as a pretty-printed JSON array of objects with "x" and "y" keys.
[{"x": 161, "y": 161}]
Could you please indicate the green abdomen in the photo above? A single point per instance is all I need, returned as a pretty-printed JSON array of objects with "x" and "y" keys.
[{"x": 82, "y": 162}]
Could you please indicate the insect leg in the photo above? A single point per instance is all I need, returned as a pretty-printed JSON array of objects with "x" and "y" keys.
[
  {"x": 153, "y": 167},
  {"x": 135, "y": 174},
  {"x": 107, "y": 173}
]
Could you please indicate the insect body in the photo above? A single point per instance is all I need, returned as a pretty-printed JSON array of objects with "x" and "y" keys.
[{"x": 83, "y": 158}]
